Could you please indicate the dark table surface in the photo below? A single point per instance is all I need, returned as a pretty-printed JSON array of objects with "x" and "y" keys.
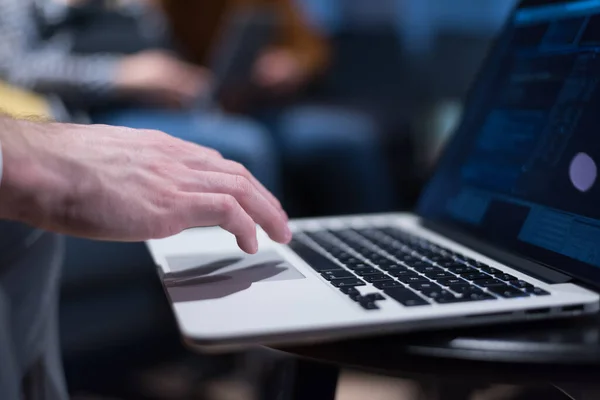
[{"x": 554, "y": 351}]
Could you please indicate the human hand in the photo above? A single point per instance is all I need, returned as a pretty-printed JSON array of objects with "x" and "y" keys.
[
  {"x": 158, "y": 76},
  {"x": 121, "y": 184},
  {"x": 280, "y": 71}
]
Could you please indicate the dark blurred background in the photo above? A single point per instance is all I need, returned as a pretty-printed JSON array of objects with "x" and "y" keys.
[{"x": 407, "y": 64}]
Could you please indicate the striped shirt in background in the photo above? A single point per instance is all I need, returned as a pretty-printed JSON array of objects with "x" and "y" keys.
[{"x": 48, "y": 66}]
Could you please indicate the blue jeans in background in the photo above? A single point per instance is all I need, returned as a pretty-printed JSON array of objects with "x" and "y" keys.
[{"x": 335, "y": 154}]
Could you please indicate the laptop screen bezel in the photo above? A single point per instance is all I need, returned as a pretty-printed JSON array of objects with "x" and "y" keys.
[{"x": 576, "y": 269}]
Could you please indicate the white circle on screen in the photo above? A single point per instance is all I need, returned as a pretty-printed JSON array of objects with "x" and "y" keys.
[{"x": 583, "y": 172}]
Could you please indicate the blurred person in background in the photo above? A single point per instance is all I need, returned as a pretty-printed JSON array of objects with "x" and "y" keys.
[
  {"x": 116, "y": 62},
  {"x": 100, "y": 55},
  {"x": 333, "y": 153}
]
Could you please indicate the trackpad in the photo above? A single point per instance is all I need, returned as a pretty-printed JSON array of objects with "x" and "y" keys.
[{"x": 214, "y": 276}]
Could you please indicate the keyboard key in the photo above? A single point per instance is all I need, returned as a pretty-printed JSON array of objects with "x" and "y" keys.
[
  {"x": 314, "y": 259},
  {"x": 428, "y": 268},
  {"x": 397, "y": 273},
  {"x": 344, "y": 256},
  {"x": 387, "y": 284},
  {"x": 467, "y": 260},
  {"x": 379, "y": 260},
  {"x": 353, "y": 261},
  {"x": 369, "y": 305},
  {"x": 331, "y": 275},
  {"x": 394, "y": 267},
  {"x": 371, "y": 255},
  {"x": 434, "y": 294},
  {"x": 488, "y": 270},
  {"x": 452, "y": 281},
  {"x": 440, "y": 275},
  {"x": 366, "y": 271},
  {"x": 374, "y": 297},
  {"x": 438, "y": 258},
  {"x": 418, "y": 264},
  {"x": 349, "y": 290},
  {"x": 453, "y": 264},
  {"x": 340, "y": 283},
  {"x": 461, "y": 269},
  {"x": 507, "y": 291},
  {"x": 489, "y": 282},
  {"x": 358, "y": 266},
  {"x": 536, "y": 291},
  {"x": 408, "y": 259},
  {"x": 475, "y": 276},
  {"x": 423, "y": 286},
  {"x": 405, "y": 297},
  {"x": 461, "y": 288},
  {"x": 478, "y": 296},
  {"x": 521, "y": 284},
  {"x": 376, "y": 278},
  {"x": 505, "y": 277},
  {"x": 451, "y": 299},
  {"x": 382, "y": 262},
  {"x": 413, "y": 279},
  {"x": 355, "y": 297}
]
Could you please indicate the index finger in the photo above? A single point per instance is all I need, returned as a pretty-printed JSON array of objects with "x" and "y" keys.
[{"x": 247, "y": 195}]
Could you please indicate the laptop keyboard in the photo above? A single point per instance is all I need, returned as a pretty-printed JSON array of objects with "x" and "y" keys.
[{"x": 403, "y": 267}]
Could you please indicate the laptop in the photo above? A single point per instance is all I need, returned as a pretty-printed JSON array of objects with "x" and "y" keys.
[
  {"x": 507, "y": 229},
  {"x": 246, "y": 33}
]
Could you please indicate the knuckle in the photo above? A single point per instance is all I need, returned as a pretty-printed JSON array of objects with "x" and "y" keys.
[
  {"x": 167, "y": 219},
  {"x": 239, "y": 169},
  {"x": 156, "y": 167},
  {"x": 166, "y": 199},
  {"x": 214, "y": 153},
  {"x": 154, "y": 133},
  {"x": 243, "y": 187},
  {"x": 227, "y": 205}
]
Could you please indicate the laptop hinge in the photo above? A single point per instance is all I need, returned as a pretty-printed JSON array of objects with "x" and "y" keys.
[{"x": 538, "y": 271}]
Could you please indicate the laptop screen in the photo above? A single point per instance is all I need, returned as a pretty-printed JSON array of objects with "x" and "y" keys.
[{"x": 522, "y": 170}]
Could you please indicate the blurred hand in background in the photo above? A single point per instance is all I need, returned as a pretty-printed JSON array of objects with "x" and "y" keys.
[
  {"x": 160, "y": 77},
  {"x": 280, "y": 71}
]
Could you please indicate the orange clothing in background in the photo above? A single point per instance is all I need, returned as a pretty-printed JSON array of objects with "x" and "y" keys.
[{"x": 196, "y": 26}]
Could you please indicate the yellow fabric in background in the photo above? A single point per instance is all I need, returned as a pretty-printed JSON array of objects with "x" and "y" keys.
[{"x": 22, "y": 104}]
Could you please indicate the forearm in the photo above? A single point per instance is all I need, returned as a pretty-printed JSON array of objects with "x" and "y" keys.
[
  {"x": 14, "y": 167},
  {"x": 24, "y": 177}
]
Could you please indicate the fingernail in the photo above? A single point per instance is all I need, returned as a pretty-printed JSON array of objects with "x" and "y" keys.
[{"x": 288, "y": 234}]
